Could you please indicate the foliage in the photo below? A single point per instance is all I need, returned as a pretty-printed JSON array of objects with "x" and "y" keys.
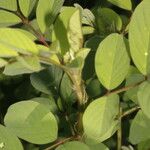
[{"x": 74, "y": 75}]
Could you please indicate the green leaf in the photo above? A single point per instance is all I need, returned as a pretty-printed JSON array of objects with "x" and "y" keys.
[
  {"x": 78, "y": 62},
  {"x": 88, "y": 17},
  {"x": 145, "y": 145},
  {"x": 24, "y": 65},
  {"x": 125, "y": 4},
  {"x": 99, "y": 146},
  {"x": 75, "y": 35},
  {"x": 131, "y": 80},
  {"x": 8, "y": 19},
  {"x": 89, "y": 69},
  {"x": 140, "y": 45},
  {"x": 33, "y": 122},
  {"x": 15, "y": 40},
  {"x": 47, "y": 80},
  {"x": 46, "y": 12},
  {"x": 9, "y": 141},
  {"x": 26, "y": 6},
  {"x": 28, "y": 34},
  {"x": 144, "y": 98},
  {"x": 139, "y": 130},
  {"x": 66, "y": 90},
  {"x": 48, "y": 102},
  {"x": 74, "y": 145},
  {"x": 111, "y": 73},
  {"x": 94, "y": 88},
  {"x": 9, "y": 4},
  {"x": 108, "y": 21},
  {"x": 2, "y": 62},
  {"x": 60, "y": 29},
  {"x": 99, "y": 121}
]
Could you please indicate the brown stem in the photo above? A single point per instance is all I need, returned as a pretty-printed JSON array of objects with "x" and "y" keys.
[
  {"x": 126, "y": 88},
  {"x": 62, "y": 142},
  {"x": 130, "y": 111},
  {"x": 25, "y": 21}
]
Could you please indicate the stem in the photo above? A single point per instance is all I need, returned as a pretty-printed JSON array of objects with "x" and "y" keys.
[
  {"x": 130, "y": 111},
  {"x": 126, "y": 88},
  {"x": 79, "y": 89},
  {"x": 119, "y": 131},
  {"x": 40, "y": 37},
  {"x": 62, "y": 142},
  {"x": 70, "y": 125}
]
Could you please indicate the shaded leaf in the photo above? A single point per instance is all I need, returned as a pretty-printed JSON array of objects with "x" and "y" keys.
[
  {"x": 47, "y": 10},
  {"x": 23, "y": 66}
]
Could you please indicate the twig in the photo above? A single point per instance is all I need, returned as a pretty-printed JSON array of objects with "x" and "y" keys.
[
  {"x": 70, "y": 125},
  {"x": 62, "y": 142},
  {"x": 119, "y": 131},
  {"x": 130, "y": 111},
  {"x": 126, "y": 88}
]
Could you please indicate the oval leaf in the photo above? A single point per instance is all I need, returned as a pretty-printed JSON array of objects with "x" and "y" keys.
[
  {"x": 139, "y": 37},
  {"x": 144, "y": 98},
  {"x": 112, "y": 61},
  {"x": 46, "y": 12},
  {"x": 99, "y": 118},
  {"x": 60, "y": 29},
  {"x": 33, "y": 122},
  {"x": 47, "y": 80},
  {"x": 108, "y": 21},
  {"x": 23, "y": 66},
  {"x": 75, "y": 35},
  {"x": 9, "y": 141},
  {"x": 74, "y": 145},
  {"x": 8, "y": 19},
  {"x": 9, "y": 4},
  {"x": 15, "y": 40},
  {"x": 26, "y": 6},
  {"x": 139, "y": 130},
  {"x": 125, "y": 4}
]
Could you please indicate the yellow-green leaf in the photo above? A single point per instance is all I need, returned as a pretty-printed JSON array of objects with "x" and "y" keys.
[
  {"x": 125, "y": 4},
  {"x": 8, "y": 19},
  {"x": 139, "y": 37},
  {"x": 26, "y": 6},
  {"x": 8, "y": 141},
  {"x": 9, "y": 4},
  {"x": 75, "y": 35},
  {"x": 112, "y": 61},
  {"x": 2, "y": 62},
  {"x": 99, "y": 118},
  {"x": 15, "y": 40},
  {"x": 60, "y": 29}
]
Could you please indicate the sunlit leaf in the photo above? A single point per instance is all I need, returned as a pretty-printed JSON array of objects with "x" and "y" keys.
[
  {"x": 99, "y": 118},
  {"x": 8, "y": 141},
  {"x": 111, "y": 73},
  {"x": 33, "y": 122},
  {"x": 139, "y": 37}
]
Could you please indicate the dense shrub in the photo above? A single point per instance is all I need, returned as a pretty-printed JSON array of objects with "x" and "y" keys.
[{"x": 74, "y": 75}]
